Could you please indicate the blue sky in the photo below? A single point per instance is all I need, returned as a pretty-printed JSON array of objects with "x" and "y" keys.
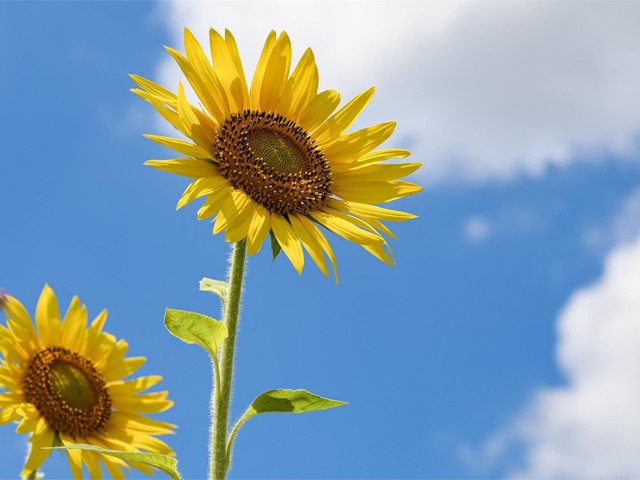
[{"x": 509, "y": 321}]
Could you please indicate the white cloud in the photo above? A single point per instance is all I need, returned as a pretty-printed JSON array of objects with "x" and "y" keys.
[
  {"x": 476, "y": 228},
  {"x": 507, "y": 220},
  {"x": 482, "y": 90},
  {"x": 590, "y": 426}
]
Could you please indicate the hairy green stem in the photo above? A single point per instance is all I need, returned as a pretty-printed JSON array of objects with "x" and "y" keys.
[{"x": 221, "y": 400}]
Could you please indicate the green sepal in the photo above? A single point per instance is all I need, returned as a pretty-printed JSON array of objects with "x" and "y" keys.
[
  {"x": 164, "y": 463},
  {"x": 57, "y": 441},
  {"x": 191, "y": 327},
  {"x": 275, "y": 246},
  {"x": 290, "y": 401},
  {"x": 218, "y": 287},
  {"x": 35, "y": 475}
]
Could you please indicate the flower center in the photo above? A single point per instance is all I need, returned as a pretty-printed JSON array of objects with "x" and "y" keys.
[
  {"x": 274, "y": 161},
  {"x": 72, "y": 385},
  {"x": 68, "y": 392},
  {"x": 279, "y": 152}
]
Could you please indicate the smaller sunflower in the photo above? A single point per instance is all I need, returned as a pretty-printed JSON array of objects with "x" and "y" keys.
[{"x": 64, "y": 383}]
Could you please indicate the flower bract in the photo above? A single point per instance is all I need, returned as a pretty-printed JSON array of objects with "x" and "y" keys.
[
  {"x": 65, "y": 383},
  {"x": 274, "y": 157}
]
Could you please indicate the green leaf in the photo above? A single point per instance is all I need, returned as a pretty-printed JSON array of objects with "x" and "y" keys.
[
  {"x": 290, "y": 401},
  {"x": 191, "y": 327},
  {"x": 218, "y": 287},
  {"x": 282, "y": 401},
  {"x": 275, "y": 246},
  {"x": 164, "y": 463}
]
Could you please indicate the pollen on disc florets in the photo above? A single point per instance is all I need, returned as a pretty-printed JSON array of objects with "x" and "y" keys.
[
  {"x": 274, "y": 161},
  {"x": 67, "y": 391}
]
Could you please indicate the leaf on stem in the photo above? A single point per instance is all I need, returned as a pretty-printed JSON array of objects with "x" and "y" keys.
[
  {"x": 164, "y": 463},
  {"x": 191, "y": 327},
  {"x": 290, "y": 401},
  {"x": 218, "y": 287}
]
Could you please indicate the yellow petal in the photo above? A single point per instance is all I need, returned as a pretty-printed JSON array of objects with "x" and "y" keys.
[
  {"x": 378, "y": 225},
  {"x": 374, "y": 192},
  {"x": 213, "y": 203},
  {"x": 240, "y": 221},
  {"x": 377, "y": 173},
  {"x": 301, "y": 87},
  {"x": 74, "y": 326},
  {"x": 135, "y": 385},
  {"x": 48, "y": 317},
  {"x": 204, "y": 82},
  {"x": 180, "y": 146},
  {"x": 258, "y": 230},
  {"x": 232, "y": 206},
  {"x": 42, "y": 437},
  {"x": 355, "y": 220},
  {"x": 353, "y": 146},
  {"x": 235, "y": 56},
  {"x": 98, "y": 322},
  {"x": 275, "y": 75},
  {"x": 322, "y": 241},
  {"x": 74, "y": 457},
  {"x": 21, "y": 328},
  {"x": 202, "y": 135},
  {"x": 141, "y": 424},
  {"x": 164, "y": 95},
  {"x": 288, "y": 241},
  {"x": 258, "y": 76},
  {"x": 187, "y": 167},
  {"x": 184, "y": 111},
  {"x": 318, "y": 109},
  {"x": 231, "y": 79},
  {"x": 146, "y": 403},
  {"x": 378, "y": 156},
  {"x": 342, "y": 119},
  {"x": 381, "y": 253},
  {"x": 169, "y": 114},
  {"x": 310, "y": 244},
  {"x": 346, "y": 229},
  {"x": 201, "y": 187},
  {"x": 93, "y": 466},
  {"x": 372, "y": 211},
  {"x": 131, "y": 364},
  {"x": 111, "y": 465}
]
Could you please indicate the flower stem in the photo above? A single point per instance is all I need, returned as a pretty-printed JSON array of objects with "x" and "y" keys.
[{"x": 222, "y": 399}]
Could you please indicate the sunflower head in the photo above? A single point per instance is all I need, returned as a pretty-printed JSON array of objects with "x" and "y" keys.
[
  {"x": 275, "y": 157},
  {"x": 65, "y": 381}
]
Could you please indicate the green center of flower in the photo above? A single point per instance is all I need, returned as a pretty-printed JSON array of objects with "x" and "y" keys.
[
  {"x": 72, "y": 385},
  {"x": 281, "y": 154},
  {"x": 67, "y": 391},
  {"x": 274, "y": 161}
]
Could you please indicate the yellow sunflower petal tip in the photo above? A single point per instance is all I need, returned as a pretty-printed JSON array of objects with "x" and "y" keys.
[
  {"x": 280, "y": 146},
  {"x": 72, "y": 386}
]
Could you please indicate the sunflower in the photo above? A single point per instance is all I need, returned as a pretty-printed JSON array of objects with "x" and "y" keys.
[
  {"x": 63, "y": 383},
  {"x": 275, "y": 158}
]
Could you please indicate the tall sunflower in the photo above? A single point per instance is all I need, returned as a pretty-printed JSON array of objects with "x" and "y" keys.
[
  {"x": 65, "y": 383},
  {"x": 274, "y": 157}
]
